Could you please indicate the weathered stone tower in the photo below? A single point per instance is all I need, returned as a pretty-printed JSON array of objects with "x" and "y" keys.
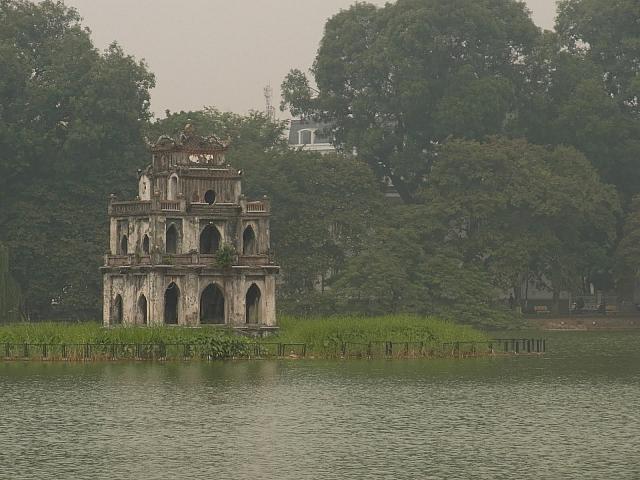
[{"x": 190, "y": 249}]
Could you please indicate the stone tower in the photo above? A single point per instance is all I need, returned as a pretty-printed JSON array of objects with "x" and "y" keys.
[{"x": 190, "y": 249}]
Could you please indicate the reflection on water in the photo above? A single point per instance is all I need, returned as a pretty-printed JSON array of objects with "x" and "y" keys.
[{"x": 572, "y": 414}]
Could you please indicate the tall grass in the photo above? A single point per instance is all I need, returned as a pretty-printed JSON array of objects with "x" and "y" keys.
[
  {"x": 324, "y": 335},
  {"x": 222, "y": 343}
]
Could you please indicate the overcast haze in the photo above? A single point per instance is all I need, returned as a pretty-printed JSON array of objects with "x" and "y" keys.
[{"x": 220, "y": 52}]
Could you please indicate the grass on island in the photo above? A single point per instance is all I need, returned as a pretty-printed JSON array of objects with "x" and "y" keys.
[
  {"x": 322, "y": 336},
  {"x": 325, "y": 336},
  {"x": 217, "y": 342}
]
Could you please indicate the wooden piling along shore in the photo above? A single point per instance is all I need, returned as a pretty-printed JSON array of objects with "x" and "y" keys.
[{"x": 266, "y": 350}]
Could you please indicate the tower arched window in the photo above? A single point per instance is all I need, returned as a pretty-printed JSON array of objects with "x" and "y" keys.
[
  {"x": 124, "y": 245},
  {"x": 249, "y": 241},
  {"x": 172, "y": 239},
  {"x": 117, "y": 312},
  {"x": 146, "y": 245},
  {"x": 172, "y": 188},
  {"x": 142, "y": 311},
  {"x": 209, "y": 240}
]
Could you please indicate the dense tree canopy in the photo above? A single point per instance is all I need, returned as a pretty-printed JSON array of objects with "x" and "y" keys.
[
  {"x": 407, "y": 265},
  {"x": 323, "y": 210},
  {"x": 70, "y": 134},
  {"x": 566, "y": 102},
  {"x": 515, "y": 152},
  {"x": 402, "y": 82},
  {"x": 524, "y": 211},
  {"x": 495, "y": 215},
  {"x": 608, "y": 33},
  {"x": 398, "y": 80}
]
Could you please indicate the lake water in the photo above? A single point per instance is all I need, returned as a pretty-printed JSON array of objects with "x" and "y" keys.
[{"x": 574, "y": 413}]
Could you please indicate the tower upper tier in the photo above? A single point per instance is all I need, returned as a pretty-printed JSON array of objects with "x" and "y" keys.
[{"x": 191, "y": 167}]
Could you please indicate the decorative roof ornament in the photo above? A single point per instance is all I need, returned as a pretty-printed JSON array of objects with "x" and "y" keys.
[{"x": 191, "y": 143}]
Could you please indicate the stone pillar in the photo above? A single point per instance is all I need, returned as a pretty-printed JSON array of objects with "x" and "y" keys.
[
  {"x": 191, "y": 234},
  {"x": 128, "y": 300},
  {"x": 269, "y": 302},
  {"x": 156, "y": 298},
  {"x": 190, "y": 299},
  {"x": 113, "y": 236},
  {"x": 235, "y": 298},
  {"x": 106, "y": 299}
]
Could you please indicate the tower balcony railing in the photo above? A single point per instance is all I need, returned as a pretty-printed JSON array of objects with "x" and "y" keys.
[
  {"x": 159, "y": 206},
  {"x": 145, "y": 207},
  {"x": 170, "y": 206},
  {"x": 182, "y": 259},
  {"x": 256, "y": 207},
  {"x": 136, "y": 207},
  {"x": 217, "y": 209},
  {"x": 253, "y": 260}
]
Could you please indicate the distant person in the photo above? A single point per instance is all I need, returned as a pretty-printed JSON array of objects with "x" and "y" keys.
[{"x": 512, "y": 301}]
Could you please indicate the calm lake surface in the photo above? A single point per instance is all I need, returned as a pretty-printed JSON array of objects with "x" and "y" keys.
[{"x": 572, "y": 414}]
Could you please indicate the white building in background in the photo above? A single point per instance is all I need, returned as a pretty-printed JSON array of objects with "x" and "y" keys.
[{"x": 310, "y": 136}]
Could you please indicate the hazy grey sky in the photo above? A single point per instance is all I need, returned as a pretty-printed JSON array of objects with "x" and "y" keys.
[{"x": 222, "y": 52}]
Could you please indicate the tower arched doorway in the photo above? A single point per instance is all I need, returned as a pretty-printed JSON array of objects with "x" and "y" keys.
[
  {"x": 252, "y": 304},
  {"x": 171, "y": 304},
  {"x": 212, "y": 305},
  {"x": 209, "y": 240},
  {"x": 142, "y": 311},
  {"x": 249, "y": 241},
  {"x": 172, "y": 239},
  {"x": 116, "y": 313}
]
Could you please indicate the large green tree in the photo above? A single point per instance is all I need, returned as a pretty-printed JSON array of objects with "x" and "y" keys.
[
  {"x": 71, "y": 121},
  {"x": 396, "y": 81},
  {"x": 566, "y": 101},
  {"x": 608, "y": 33},
  {"x": 323, "y": 210},
  {"x": 523, "y": 211},
  {"x": 495, "y": 215},
  {"x": 407, "y": 265}
]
